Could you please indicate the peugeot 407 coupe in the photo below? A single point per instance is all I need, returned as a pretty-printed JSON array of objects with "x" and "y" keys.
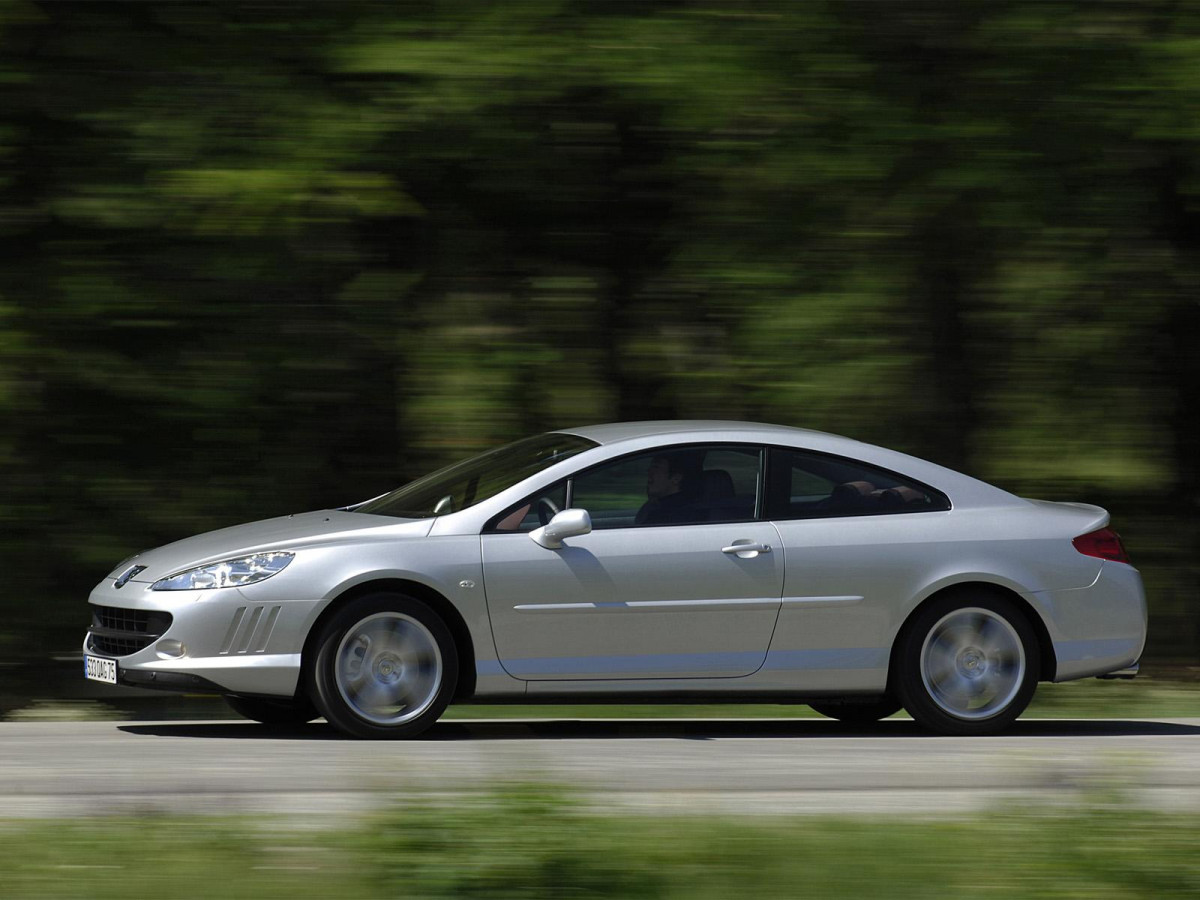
[{"x": 667, "y": 560}]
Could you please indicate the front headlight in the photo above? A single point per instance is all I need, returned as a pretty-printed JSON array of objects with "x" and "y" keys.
[{"x": 227, "y": 573}]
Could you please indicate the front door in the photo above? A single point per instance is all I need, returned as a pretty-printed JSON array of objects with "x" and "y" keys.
[{"x": 684, "y": 583}]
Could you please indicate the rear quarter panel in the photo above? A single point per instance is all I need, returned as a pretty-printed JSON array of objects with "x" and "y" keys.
[{"x": 852, "y": 582}]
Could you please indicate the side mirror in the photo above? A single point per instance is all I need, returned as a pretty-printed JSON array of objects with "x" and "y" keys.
[{"x": 568, "y": 523}]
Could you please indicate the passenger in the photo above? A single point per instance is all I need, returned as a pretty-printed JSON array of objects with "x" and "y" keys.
[{"x": 670, "y": 488}]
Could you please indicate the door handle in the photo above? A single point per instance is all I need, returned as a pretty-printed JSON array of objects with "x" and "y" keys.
[{"x": 746, "y": 547}]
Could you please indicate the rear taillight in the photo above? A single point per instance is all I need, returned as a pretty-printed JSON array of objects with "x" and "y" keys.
[{"x": 1103, "y": 544}]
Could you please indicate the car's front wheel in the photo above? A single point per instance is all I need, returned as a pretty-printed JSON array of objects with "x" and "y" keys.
[
  {"x": 968, "y": 664},
  {"x": 858, "y": 712},
  {"x": 385, "y": 667}
]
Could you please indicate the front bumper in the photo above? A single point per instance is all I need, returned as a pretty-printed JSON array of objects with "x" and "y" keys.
[
  {"x": 235, "y": 640},
  {"x": 180, "y": 682}
]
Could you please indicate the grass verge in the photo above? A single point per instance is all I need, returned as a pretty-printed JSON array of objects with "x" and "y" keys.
[{"x": 542, "y": 844}]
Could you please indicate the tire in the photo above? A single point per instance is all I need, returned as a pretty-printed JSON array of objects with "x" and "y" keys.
[
  {"x": 967, "y": 664},
  {"x": 858, "y": 712},
  {"x": 273, "y": 712},
  {"x": 385, "y": 667}
]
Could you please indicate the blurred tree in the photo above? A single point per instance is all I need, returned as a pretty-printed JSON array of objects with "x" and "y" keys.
[{"x": 262, "y": 258}]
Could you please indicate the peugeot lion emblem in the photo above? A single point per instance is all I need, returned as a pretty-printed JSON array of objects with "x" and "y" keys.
[{"x": 126, "y": 575}]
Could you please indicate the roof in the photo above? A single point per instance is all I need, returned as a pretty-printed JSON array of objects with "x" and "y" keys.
[
  {"x": 963, "y": 489},
  {"x": 615, "y": 432}
]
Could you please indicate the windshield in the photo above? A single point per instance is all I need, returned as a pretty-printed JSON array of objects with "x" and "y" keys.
[{"x": 474, "y": 480}]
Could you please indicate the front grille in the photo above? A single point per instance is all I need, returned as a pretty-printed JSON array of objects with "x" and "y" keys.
[
  {"x": 119, "y": 632},
  {"x": 120, "y": 619},
  {"x": 117, "y": 646}
]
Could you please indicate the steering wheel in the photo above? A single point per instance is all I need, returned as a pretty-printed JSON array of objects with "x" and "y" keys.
[
  {"x": 445, "y": 505},
  {"x": 547, "y": 509}
]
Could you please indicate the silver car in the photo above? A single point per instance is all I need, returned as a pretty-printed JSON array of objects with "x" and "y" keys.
[{"x": 667, "y": 560}]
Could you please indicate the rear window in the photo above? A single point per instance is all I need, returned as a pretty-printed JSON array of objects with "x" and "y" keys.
[{"x": 803, "y": 485}]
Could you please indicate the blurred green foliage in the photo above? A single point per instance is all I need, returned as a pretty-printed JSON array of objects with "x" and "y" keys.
[
  {"x": 531, "y": 843},
  {"x": 265, "y": 257}
]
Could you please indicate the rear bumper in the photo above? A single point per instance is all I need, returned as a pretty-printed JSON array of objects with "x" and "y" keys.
[{"x": 1098, "y": 629}]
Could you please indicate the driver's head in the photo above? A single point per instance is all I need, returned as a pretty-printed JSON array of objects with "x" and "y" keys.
[{"x": 666, "y": 475}]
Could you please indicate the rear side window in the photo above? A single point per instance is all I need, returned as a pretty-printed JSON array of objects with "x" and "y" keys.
[{"x": 806, "y": 485}]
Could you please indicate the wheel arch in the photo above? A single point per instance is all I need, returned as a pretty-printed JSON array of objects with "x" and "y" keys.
[
  {"x": 1047, "y": 660},
  {"x": 423, "y": 592}
]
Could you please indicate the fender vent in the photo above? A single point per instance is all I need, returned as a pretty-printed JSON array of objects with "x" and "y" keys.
[{"x": 250, "y": 630}]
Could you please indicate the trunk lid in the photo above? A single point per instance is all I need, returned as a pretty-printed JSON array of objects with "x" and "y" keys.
[{"x": 1083, "y": 517}]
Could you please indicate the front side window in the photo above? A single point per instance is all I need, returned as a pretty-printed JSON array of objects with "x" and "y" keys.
[
  {"x": 475, "y": 480},
  {"x": 532, "y": 512},
  {"x": 684, "y": 485},
  {"x": 807, "y": 485}
]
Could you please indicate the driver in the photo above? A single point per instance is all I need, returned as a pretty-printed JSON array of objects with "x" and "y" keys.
[{"x": 669, "y": 487}]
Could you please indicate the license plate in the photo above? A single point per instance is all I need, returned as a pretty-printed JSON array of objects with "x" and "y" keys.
[{"x": 97, "y": 669}]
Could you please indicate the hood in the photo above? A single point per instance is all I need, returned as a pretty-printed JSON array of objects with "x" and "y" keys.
[{"x": 324, "y": 527}]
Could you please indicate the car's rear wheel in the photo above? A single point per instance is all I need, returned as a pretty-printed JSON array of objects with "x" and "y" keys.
[
  {"x": 968, "y": 664},
  {"x": 858, "y": 712},
  {"x": 273, "y": 712},
  {"x": 385, "y": 667}
]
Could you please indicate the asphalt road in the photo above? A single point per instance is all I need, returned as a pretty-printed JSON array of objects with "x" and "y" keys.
[{"x": 697, "y": 766}]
